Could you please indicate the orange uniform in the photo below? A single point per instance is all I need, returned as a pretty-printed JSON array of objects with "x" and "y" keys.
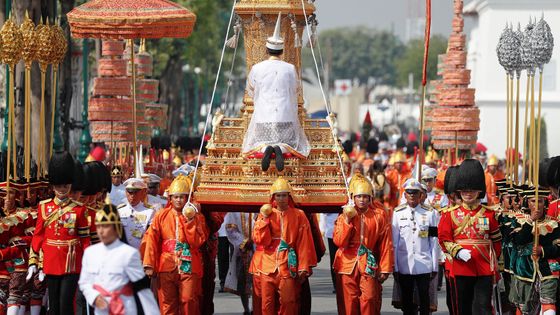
[
  {"x": 365, "y": 248},
  {"x": 491, "y": 189},
  {"x": 284, "y": 249},
  {"x": 172, "y": 250},
  {"x": 396, "y": 181}
]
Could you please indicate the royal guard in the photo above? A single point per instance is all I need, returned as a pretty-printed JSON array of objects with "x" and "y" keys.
[
  {"x": 172, "y": 251},
  {"x": 364, "y": 258},
  {"x": 112, "y": 271},
  {"x": 469, "y": 233},
  {"x": 7, "y": 254},
  {"x": 536, "y": 263},
  {"x": 283, "y": 235},
  {"x": 62, "y": 234},
  {"x": 414, "y": 230},
  {"x": 135, "y": 215}
]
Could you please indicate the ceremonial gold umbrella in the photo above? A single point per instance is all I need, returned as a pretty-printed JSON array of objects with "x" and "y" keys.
[{"x": 130, "y": 20}]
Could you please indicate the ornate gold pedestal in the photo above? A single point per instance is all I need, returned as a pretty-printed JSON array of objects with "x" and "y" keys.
[{"x": 230, "y": 182}]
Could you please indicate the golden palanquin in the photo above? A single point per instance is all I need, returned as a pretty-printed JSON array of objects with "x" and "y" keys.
[{"x": 231, "y": 182}]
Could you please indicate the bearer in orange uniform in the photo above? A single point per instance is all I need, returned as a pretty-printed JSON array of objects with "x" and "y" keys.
[
  {"x": 172, "y": 251},
  {"x": 62, "y": 233},
  {"x": 469, "y": 234},
  {"x": 283, "y": 235},
  {"x": 364, "y": 258},
  {"x": 396, "y": 178}
]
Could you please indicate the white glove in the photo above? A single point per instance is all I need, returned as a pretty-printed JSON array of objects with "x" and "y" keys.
[
  {"x": 30, "y": 272},
  {"x": 464, "y": 255},
  {"x": 41, "y": 275}
]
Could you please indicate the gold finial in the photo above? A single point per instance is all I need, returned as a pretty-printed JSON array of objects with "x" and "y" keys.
[
  {"x": 45, "y": 45},
  {"x": 142, "y": 48},
  {"x": 60, "y": 44},
  {"x": 29, "y": 41},
  {"x": 12, "y": 42}
]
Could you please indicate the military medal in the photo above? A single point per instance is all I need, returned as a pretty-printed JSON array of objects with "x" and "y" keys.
[{"x": 483, "y": 224}]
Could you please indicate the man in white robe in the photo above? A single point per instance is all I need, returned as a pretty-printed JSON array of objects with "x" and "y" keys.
[
  {"x": 112, "y": 271},
  {"x": 275, "y": 126}
]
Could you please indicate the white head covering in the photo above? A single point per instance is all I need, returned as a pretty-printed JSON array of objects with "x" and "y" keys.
[
  {"x": 276, "y": 42},
  {"x": 184, "y": 169},
  {"x": 135, "y": 183},
  {"x": 429, "y": 173},
  {"x": 412, "y": 184}
]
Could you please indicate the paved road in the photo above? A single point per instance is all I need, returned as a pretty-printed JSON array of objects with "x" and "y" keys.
[{"x": 324, "y": 301}]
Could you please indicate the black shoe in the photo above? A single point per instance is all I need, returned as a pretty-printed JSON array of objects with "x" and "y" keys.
[
  {"x": 221, "y": 290},
  {"x": 279, "y": 159},
  {"x": 265, "y": 162}
]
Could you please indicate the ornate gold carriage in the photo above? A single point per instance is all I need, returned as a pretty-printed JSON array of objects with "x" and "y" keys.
[{"x": 231, "y": 182}]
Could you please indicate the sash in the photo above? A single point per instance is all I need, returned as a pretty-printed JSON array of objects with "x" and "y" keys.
[
  {"x": 371, "y": 266},
  {"x": 184, "y": 256},
  {"x": 292, "y": 257}
]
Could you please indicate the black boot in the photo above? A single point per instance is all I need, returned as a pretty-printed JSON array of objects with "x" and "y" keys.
[
  {"x": 279, "y": 159},
  {"x": 265, "y": 162}
]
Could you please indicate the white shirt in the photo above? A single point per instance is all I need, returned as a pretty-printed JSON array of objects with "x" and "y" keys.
[
  {"x": 326, "y": 223},
  {"x": 117, "y": 194},
  {"x": 273, "y": 85},
  {"x": 415, "y": 254},
  {"x": 157, "y": 202},
  {"x": 442, "y": 203},
  {"x": 135, "y": 221},
  {"x": 112, "y": 267}
]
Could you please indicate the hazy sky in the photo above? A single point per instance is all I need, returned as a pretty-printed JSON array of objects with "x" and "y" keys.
[{"x": 382, "y": 14}]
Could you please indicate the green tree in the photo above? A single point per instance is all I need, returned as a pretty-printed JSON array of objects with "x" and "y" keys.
[
  {"x": 412, "y": 59},
  {"x": 358, "y": 52}
]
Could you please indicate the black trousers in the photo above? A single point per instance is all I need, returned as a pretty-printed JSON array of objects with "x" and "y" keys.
[
  {"x": 422, "y": 283},
  {"x": 223, "y": 258},
  {"x": 332, "y": 253},
  {"x": 450, "y": 296},
  {"x": 474, "y": 295},
  {"x": 62, "y": 293}
]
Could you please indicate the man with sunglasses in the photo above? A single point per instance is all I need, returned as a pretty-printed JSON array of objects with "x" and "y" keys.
[
  {"x": 469, "y": 234},
  {"x": 414, "y": 230},
  {"x": 135, "y": 215}
]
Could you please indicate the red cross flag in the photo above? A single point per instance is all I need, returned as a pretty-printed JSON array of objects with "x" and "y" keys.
[{"x": 343, "y": 87}]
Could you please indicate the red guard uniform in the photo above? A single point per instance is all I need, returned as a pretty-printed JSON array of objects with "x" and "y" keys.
[{"x": 476, "y": 230}]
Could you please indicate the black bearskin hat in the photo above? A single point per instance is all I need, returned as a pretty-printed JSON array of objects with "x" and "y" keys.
[
  {"x": 92, "y": 181},
  {"x": 450, "y": 180},
  {"x": 79, "y": 178},
  {"x": 549, "y": 172},
  {"x": 104, "y": 176},
  {"x": 372, "y": 146},
  {"x": 347, "y": 146},
  {"x": 61, "y": 168},
  {"x": 471, "y": 177}
]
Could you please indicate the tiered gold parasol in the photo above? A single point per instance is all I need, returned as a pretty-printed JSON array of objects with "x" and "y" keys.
[{"x": 130, "y": 20}]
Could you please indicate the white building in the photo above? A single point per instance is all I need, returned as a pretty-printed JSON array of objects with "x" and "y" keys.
[{"x": 488, "y": 77}]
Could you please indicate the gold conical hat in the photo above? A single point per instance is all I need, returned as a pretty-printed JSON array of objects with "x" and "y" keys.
[
  {"x": 280, "y": 185},
  {"x": 362, "y": 187},
  {"x": 493, "y": 161},
  {"x": 399, "y": 157},
  {"x": 181, "y": 185}
]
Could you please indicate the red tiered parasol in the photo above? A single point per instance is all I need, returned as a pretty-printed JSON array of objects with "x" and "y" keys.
[{"x": 131, "y": 19}]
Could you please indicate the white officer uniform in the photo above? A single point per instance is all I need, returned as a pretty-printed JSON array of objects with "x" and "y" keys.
[
  {"x": 135, "y": 221},
  {"x": 111, "y": 268},
  {"x": 416, "y": 252},
  {"x": 117, "y": 194}
]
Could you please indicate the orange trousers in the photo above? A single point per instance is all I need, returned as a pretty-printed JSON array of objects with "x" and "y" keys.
[
  {"x": 257, "y": 298},
  {"x": 358, "y": 294},
  {"x": 179, "y": 294},
  {"x": 279, "y": 295}
]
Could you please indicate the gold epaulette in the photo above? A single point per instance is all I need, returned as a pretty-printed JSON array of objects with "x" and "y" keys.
[
  {"x": 449, "y": 209},
  {"x": 149, "y": 206},
  {"x": 122, "y": 205},
  {"x": 427, "y": 207},
  {"x": 42, "y": 202},
  {"x": 77, "y": 202},
  {"x": 400, "y": 207}
]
